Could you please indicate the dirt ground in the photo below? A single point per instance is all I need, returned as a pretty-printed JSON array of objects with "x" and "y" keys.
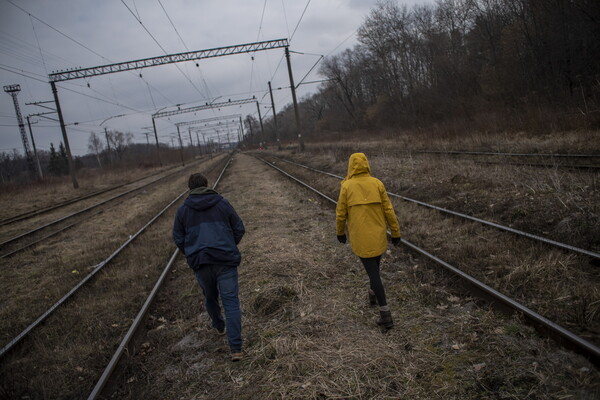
[{"x": 309, "y": 333}]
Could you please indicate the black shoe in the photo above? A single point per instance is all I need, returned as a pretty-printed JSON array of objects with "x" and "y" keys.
[{"x": 385, "y": 320}]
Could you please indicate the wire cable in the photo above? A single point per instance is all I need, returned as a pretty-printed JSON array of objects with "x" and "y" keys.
[
  {"x": 300, "y": 20},
  {"x": 162, "y": 48}
]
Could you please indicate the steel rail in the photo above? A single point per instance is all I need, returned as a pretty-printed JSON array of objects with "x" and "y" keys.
[
  {"x": 485, "y": 153},
  {"x": 587, "y": 168},
  {"x": 95, "y": 269},
  {"x": 21, "y": 236},
  {"x": 33, "y": 213},
  {"x": 563, "y": 335},
  {"x": 551, "y": 242},
  {"x": 137, "y": 322}
]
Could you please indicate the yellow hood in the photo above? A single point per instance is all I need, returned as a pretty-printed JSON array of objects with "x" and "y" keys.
[{"x": 357, "y": 165}]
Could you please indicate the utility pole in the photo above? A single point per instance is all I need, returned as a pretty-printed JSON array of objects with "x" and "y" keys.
[
  {"x": 157, "y": 145},
  {"x": 180, "y": 146},
  {"x": 293, "y": 87},
  {"x": 37, "y": 159},
  {"x": 108, "y": 145},
  {"x": 13, "y": 90},
  {"x": 191, "y": 141},
  {"x": 198, "y": 141},
  {"x": 64, "y": 135},
  {"x": 274, "y": 117},
  {"x": 262, "y": 131},
  {"x": 251, "y": 131},
  {"x": 242, "y": 127}
]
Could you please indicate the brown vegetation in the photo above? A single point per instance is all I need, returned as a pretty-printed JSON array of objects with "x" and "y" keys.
[
  {"x": 64, "y": 356},
  {"x": 309, "y": 333}
]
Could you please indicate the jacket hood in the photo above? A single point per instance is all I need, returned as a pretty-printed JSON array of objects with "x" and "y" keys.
[
  {"x": 358, "y": 164},
  {"x": 202, "y": 198}
]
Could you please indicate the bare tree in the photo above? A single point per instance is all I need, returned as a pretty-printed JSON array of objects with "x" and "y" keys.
[
  {"x": 119, "y": 141},
  {"x": 95, "y": 146}
]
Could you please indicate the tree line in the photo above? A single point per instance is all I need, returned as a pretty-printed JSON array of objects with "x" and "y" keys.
[{"x": 457, "y": 65}]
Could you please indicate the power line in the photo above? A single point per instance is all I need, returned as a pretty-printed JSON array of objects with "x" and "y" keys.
[
  {"x": 70, "y": 38},
  {"x": 162, "y": 48},
  {"x": 38, "y": 43},
  {"x": 184, "y": 45},
  {"x": 54, "y": 29},
  {"x": 173, "y": 25},
  {"x": 300, "y": 20}
]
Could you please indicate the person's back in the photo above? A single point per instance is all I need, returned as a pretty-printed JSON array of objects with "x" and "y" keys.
[
  {"x": 210, "y": 235},
  {"x": 207, "y": 230},
  {"x": 365, "y": 210}
]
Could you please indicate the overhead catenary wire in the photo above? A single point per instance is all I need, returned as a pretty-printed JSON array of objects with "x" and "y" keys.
[
  {"x": 208, "y": 94},
  {"x": 163, "y": 49}
]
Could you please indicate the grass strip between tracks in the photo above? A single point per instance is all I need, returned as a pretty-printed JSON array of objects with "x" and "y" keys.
[
  {"x": 583, "y": 346},
  {"x": 9, "y": 346}
]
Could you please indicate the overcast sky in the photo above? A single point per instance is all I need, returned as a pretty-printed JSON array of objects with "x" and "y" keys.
[{"x": 38, "y": 37}]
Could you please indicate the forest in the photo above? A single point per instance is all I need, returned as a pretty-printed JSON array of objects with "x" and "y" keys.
[{"x": 462, "y": 66}]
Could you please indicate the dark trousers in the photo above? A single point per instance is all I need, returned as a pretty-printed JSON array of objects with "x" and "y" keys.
[
  {"x": 372, "y": 267},
  {"x": 222, "y": 280}
]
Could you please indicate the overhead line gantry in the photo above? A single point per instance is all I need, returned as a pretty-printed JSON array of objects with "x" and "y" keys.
[{"x": 80, "y": 73}]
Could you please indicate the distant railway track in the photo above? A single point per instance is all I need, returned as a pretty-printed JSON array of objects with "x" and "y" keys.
[
  {"x": 107, "y": 376},
  {"x": 33, "y": 213},
  {"x": 480, "y": 289},
  {"x": 489, "y": 153},
  {"x": 14, "y": 240},
  {"x": 563, "y": 246},
  {"x": 12, "y": 344},
  {"x": 557, "y": 159}
]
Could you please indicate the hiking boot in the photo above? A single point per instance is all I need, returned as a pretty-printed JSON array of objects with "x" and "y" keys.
[
  {"x": 237, "y": 356},
  {"x": 372, "y": 298},
  {"x": 385, "y": 320}
]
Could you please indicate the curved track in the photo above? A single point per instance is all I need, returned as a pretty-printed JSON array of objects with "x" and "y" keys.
[
  {"x": 564, "y": 246},
  {"x": 34, "y": 213},
  {"x": 107, "y": 374},
  {"x": 14, "y": 240},
  {"x": 505, "y": 303},
  {"x": 94, "y": 270}
]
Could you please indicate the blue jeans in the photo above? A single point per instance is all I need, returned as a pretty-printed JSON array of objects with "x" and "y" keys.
[{"x": 219, "y": 279}]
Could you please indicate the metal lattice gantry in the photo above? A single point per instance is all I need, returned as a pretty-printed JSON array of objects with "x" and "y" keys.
[
  {"x": 80, "y": 73},
  {"x": 168, "y": 59},
  {"x": 13, "y": 90},
  {"x": 207, "y": 106},
  {"x": 199, "y": 121}
]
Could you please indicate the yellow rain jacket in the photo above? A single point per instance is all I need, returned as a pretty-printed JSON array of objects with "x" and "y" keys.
[{"x": 365, "y": 206}]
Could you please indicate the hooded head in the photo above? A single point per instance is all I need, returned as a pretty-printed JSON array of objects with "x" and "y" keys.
[{"x": 357, "y": 165}]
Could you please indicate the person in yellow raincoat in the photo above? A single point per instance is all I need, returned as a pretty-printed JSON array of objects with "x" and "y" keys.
[{"x": 364, "y": 208}]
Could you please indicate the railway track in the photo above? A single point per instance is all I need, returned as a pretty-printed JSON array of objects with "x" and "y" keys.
[
  {"x": 480, "y": 289},
  {"x": 553, "y": 160},
  {"x": 564, "y": 246},
  {"x": 104, "y": 382},
  {"x": 95, "y": 269},
  {"x": 11, "y": 353},
  {"x": 34, "y": 213},
  {"x": 11, "y": 246}
]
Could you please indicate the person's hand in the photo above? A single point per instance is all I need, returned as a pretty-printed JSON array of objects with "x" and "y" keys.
[
  {"x": 396, "y": 241},
  {"x": 341, "y": 238}
]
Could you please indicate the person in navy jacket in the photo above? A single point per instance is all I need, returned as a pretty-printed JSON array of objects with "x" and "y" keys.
[{"x": 207, "y": 230}]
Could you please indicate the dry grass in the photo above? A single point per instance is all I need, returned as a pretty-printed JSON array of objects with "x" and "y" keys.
[
  {"x": 64, "y": 357},
  {"x": 518, "y": 267},
  {"x": 310, "y": 335},
  {"x": 55, "y": 190}
]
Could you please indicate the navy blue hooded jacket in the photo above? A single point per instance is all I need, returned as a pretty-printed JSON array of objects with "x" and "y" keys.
[{"x": 207, "y": 229}]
